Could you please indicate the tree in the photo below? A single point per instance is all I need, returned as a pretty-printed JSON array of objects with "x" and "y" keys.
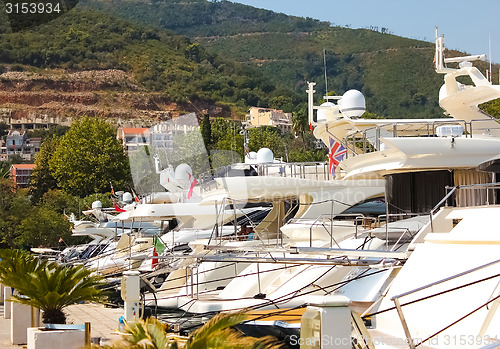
[
  {"x": 492, "y": 108},
  {"x": 299, "y": 122},
  {"x": 206, "y": 131},
  {"x": 226, "y": 136},
  {"x": 5, "y": 169},
  {"x": 88, "y": 158},
  {"x": 52, "y": 131},
  {"x": 266, "y": 137},
  {"x": 41, "y": 178},
  {"x": 3, "y": 128},
  {"x": 43, "y": 227},
  {"x": 62, "y": 202},
  {"x": 190, "y": 149},
  {"x": 48, "y": 286},
  {"x": 14, "y": 206}
]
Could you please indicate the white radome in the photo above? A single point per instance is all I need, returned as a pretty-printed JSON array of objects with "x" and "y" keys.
[
  {"x": 352, "y": 104},
  {"x": 325, "y": 114},
  {"x": 265, "y": 155},
  {"x": 127, "y": 197},
  {"x": 183, "y": 172}
]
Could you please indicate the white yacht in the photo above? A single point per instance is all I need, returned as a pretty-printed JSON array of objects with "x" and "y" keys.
[
  {"x": 299, "y": 194},
  {"x": 445, "y": 292},
  {"x": 431, "y": 279}
]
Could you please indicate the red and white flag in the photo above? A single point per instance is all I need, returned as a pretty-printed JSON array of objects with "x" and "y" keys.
[
  {"x": 191, "y": 188},
  {"x": 335, "y": 155}
]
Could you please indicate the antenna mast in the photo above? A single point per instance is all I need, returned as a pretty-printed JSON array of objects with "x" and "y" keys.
[
  {"x": 489, "y": 56},
  {"x": 326, "y": 79}
]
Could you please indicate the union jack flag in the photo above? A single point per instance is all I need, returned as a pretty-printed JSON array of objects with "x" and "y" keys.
[{"x": 335, "y": 155}]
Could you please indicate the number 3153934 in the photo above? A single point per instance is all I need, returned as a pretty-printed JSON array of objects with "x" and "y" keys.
[{"x": 32, "y": 8}]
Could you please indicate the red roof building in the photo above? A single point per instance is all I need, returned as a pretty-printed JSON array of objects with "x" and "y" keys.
[
  {"x": 21, "y": 174},
  {"x": 133, "y": 137}
]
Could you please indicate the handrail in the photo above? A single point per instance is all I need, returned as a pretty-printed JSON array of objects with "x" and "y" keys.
[
  {"x": 316, "y": 222},
  {"x": 399, "y": 309},
  {"x": 446, "y": 197},
  {"x": 387, "y": 216},
  {"x": 445, "y": 279},
  {"x": 454, "y": 189},
  {"x": 317, "y": 169},
  {"x": 397, "y": 129}
]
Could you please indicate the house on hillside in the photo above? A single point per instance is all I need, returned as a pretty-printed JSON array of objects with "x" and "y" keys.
[
  {"x": 133, "y": 137},
  {"x": 21, "y": 174},
  {"x": 3, "y": 151},
  {"x": 159, "y": 136},
  {"x": 17, "y": 143},
  {"x": 268, "y": 117}
]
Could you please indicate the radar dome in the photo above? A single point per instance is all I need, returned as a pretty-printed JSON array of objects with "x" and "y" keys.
[
  {"x": 352, "y": 104},
  {"x": 127, "y": 197},
  {"x": 183, "y": 172},
  {"x": 96, "y": 205},
  {"x": 324, "y": 114},
  {"x": 265, "y": 155}
]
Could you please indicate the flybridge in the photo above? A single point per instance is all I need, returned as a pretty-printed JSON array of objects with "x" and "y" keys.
[{"x": 341, "y": 122}]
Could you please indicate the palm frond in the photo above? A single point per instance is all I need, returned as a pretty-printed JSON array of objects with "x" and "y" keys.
[
  {"x": 215, "y": 334},
  {"x": 216, "y": 324},
  {"x": 148, "y": 334},
  {"x": 218, "y": 333},
  {"x": 48, "y": 286}
]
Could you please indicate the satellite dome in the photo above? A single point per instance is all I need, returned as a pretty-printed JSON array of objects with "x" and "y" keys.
[
  {"x": 265, "y": 155},
  {"x": 183, "y": 172},
  {"x": 352, "y": 104},
  {"x": 96, "y": 205},
  {"x": 127, "y": 197},
  {"x": 252, "y": 155},
  {"x": 324, "y": 114}
]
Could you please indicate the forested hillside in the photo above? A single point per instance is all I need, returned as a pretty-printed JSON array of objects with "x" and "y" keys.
[
  {"x": 395, "y": 74},
  {"x": 157, "y": 60}
]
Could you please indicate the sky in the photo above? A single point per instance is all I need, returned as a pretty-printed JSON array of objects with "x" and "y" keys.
[{"x": 466, "y": 24}]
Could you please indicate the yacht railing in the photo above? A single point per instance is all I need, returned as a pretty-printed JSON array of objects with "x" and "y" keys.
[
  {"x": 453, "y": 193},
  {"x": 369, "y": 140},
  {"x": 398, "y": 305},
  {"x": 327, "y": 220},
  {"x": 303, "y": 170},
  {"x": 393, "y": 217}
]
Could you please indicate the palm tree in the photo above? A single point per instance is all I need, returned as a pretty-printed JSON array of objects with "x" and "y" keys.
[
  {"x": 299, "y": 122},
  {"x": 4, "y": 172},
  {"x": 217, "y": 333},
  {"x": 148, "y": 334},
  {"x": 48, "y": 285}
]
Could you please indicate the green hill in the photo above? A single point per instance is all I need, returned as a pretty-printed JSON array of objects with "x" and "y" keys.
[
  {"x": 160, "y": 61},
  {"x": 395, "y": 74}
]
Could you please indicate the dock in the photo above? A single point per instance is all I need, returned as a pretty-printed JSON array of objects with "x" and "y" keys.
[
  {"x": 103, "y": 322},
  {"x": 5, "y": 331}
]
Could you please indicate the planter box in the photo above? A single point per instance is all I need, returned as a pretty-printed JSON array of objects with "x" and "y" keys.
[
  {"x": 7, "y": 303},
  {"x": 41, "y": 338},
  {"x": 20, "y": 320}
]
